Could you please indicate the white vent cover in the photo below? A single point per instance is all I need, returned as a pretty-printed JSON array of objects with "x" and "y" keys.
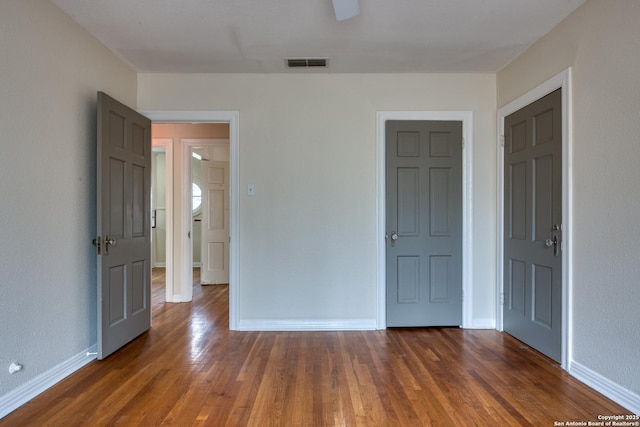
[{"x": 307, "y": 62}]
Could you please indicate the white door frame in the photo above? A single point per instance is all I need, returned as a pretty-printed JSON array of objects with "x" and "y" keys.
[
  {"x": 233, "y": 119},
  {"x": 466, "y": 117},
  {"x": 167, "y": 144},
  {"x": 559, "y": 81}
]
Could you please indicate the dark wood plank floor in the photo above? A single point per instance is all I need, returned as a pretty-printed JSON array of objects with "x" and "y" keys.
[{"x": 191, "y": 370}]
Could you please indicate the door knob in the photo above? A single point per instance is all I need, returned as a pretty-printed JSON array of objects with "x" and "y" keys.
[
  {"x": 108, "y": 242},
  {"x": 548, "y": 243},
  {"x": 394, "y": 237}
]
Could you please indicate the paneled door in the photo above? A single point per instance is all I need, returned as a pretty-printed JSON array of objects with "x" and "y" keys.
[
  {"x": 123, "y": 224},
  {"x": 424, "y": 223},
  {"x": 532, "y": 309},
  {"x": 215, "y": 223}
]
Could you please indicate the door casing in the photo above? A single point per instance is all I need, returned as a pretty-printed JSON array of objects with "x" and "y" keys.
[
  {"x": 563, "y": 81},
  {"x": 233, "y": 119},
  {"x": 466, "y": 117}
]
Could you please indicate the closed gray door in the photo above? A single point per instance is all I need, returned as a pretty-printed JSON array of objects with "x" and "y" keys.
[
  {"x": 123, "y": 223},
  {"x": 424, "y": 223},
  {"x": 533, "y": 229}
]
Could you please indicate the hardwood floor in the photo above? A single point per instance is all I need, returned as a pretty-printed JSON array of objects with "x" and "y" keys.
[{"x": 189, "y": 369}]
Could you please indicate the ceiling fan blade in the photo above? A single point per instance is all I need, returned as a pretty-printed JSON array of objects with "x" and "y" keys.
[{"x": 346, "y": 9}]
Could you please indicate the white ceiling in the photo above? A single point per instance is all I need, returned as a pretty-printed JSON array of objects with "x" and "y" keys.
[{"x": 254, "y": 36}]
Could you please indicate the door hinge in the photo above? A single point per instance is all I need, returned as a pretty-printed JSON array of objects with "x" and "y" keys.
[
  {"x": 502, "y": 140},
  {"x": 501, "y": 298},
  {"x": 97, "y": 242},
  {"x": 463, "y": 142}
]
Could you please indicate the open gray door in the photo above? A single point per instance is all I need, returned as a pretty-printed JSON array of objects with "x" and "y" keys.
[
  {"x": 123, "y": 228},
  {"x": 532, "y": 310},
  {"x": 424, "y": 223}
]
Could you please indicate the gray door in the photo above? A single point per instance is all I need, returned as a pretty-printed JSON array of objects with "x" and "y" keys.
[
  {"x": 533, "y": 231},
  {"x": 424, "y": 223},
  {"x": 123, "y": 224}
]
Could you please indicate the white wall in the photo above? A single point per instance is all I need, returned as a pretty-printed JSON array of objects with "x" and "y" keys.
[
  {"x": 307, "y": 142},
  {"x": 49, "y": 74},
  {"x": 601, "y": 42}
]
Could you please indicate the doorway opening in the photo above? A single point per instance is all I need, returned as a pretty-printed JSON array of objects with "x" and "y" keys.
[
  {"x": 162, "y": 211},
  {"x": 195, "y": 149},
  {"x": 186, "y": 138}
]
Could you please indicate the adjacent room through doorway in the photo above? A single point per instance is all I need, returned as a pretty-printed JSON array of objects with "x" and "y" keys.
[{"x": 190, "y": 204}]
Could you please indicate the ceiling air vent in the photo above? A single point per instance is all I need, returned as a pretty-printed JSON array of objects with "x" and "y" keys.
[{"x": 307, "y": 62}]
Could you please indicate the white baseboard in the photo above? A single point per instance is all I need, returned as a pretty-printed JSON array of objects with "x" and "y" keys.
[
  {"x": 27, "y": 391},
  {"x": 613, "y": 391},
  {"x": 331, "y": 325},
  {"x": 488, "y": 323},
  {"x": 159, "y": 265},
  {"x": 308, "y": 325}
]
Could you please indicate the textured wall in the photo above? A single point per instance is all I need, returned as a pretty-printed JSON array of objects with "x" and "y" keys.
[
  {"x": 601, "y": 41},
  {"x": 50, "y": 72}
]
